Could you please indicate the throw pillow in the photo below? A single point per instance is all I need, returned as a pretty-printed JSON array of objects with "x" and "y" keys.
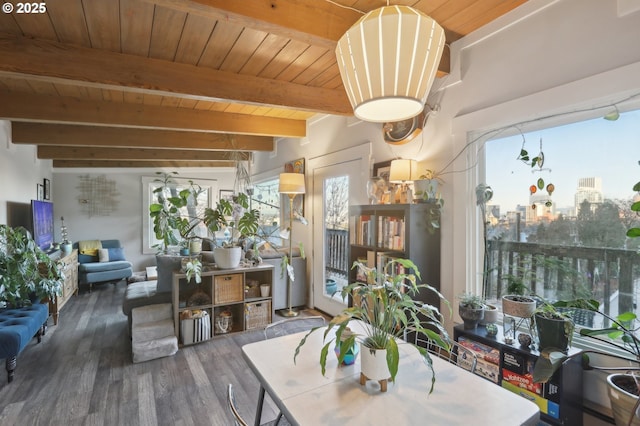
[
  {"x": 103, "y": 255},
  {"x": 89, "y": 247},
  {"x": 116, "y": 254},
  {"x": 165, "y": 266}
]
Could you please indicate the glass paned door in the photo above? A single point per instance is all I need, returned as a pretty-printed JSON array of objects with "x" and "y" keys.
[{"x": 332, "y": 185}]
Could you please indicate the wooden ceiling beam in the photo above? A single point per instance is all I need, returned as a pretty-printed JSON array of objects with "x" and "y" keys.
[
  {"x": 58, "y": 62},
  {"x": 315, "y": 22},
  {"x": 53, "y": 152},
  {"x": 74, "y": 135},
  {"x": 33, "y": 107},
  {"x": 138, "y": 164}
]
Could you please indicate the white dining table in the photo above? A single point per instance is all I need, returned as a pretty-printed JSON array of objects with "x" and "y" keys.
[{"x": 306, "y": 397}]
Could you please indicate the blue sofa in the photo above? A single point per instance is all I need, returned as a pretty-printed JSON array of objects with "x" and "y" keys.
[
  {"x": 91, "y": 270},
  {"x": 17, "y": 327}
]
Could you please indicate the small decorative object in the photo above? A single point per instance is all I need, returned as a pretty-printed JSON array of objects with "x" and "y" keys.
[
  {"x": 65, "y": 245},
  {"x": 265, "y": 289},
  {"x": 330, "y": 286},
  {"x": 352, "y": 353},
  {"x": 524, "y": 339},
  {"x": 199, "y": 298},
  {"x": 492, "y": 330},
  {"x": 376, "y": 187},
  {"x": 224, "y": 321},
  {"x": 509, "y": 329}
]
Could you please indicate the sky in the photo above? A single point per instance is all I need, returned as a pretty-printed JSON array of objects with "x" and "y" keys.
[{"x": 594, "y": 148}]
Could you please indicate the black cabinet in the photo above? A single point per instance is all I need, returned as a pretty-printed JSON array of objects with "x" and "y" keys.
[
  {"x": 381, "y": 231},
  {"x": 511, "y": 366}
]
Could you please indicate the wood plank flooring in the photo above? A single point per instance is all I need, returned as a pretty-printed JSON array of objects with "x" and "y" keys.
[{"x": 82, "y": 374}]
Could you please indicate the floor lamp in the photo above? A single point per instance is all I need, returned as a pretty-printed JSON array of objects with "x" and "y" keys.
[{"x": 291, "y": 184}]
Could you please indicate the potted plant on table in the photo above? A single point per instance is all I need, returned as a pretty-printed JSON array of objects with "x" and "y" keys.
[
  {"x": 387, "y": 310},
  {"x": 471, "y": 309},
  {"x": 27, "y": 274},
  {"x": 242, "y": 223},
  {"x": 426, "y": 191}
]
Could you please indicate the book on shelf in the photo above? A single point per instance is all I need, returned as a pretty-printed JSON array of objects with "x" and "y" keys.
[
  {"x": 363, "y": 230},
  {"x": 391, "y": 232}
]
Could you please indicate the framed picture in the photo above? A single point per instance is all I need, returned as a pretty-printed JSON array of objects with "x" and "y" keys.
[
  {"x": 295, "y": 166},
  {"x": 40, "y": 192},
  {"x": 47, "y": 189},
  {"x": 226, "y": 194},
  {"x": 382, "y": 170}
]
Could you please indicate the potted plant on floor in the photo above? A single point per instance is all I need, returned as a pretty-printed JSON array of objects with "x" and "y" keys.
[
  {"x": 27, "y": 274},
  {"x": 386, "y": 309},
  {"x": 471, "y": 309}
]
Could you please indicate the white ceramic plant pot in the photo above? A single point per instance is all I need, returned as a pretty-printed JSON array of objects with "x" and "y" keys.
[
  {"x": 622, "y": 402},
  {"x": 373, "y": 363},
  {"x": 490, "y": 315},
  {"x": 425, "y": 189},
  {"x": 227, "y": 257},
  {"x": 518, "y": 306}
]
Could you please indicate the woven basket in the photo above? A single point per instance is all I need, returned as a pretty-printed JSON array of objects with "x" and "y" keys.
[{"x": 257, "y": 314}]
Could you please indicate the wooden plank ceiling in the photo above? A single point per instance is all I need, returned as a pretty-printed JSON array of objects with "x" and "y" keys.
[{"x": 153, "y": 83}]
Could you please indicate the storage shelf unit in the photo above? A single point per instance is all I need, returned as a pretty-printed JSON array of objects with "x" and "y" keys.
[
  {"x": 222, "y": 303},
  {"x": 510, "y": 366},
  {"x": 69, "y": 265},
  {"x": 396, "y": 230}
]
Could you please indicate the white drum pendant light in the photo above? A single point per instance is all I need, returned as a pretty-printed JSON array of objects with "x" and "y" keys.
[{"x": 388, "y": 61}]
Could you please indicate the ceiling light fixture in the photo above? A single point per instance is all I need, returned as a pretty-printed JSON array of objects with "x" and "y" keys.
[{"x": 388, "y": 60}]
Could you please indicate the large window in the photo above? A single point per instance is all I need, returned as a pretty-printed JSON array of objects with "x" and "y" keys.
[
  {"x": 207, "y": 198},
  {"x": 267, "y": 200},
  {"x": 557, "y": 229}
]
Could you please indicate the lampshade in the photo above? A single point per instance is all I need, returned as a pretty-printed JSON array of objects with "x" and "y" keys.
[
  {"x": 388, "y": 60},
  {"x": 291, "y": 183},
  {"x": 403, "y": 170}
]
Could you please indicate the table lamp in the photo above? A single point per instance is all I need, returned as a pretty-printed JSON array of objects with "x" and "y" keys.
[
  {"x": 291, "y": 184},
  {"x": 401, "y": 171}
]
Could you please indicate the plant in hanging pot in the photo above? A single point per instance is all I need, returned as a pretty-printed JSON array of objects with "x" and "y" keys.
[
  {"x": 426, "y": 191},
  {"x": 242, "y": 223},
  {"x": 386, "y": 310},
  {"x": 27, "y": 274},
  {"x": 471, "y": 309}
]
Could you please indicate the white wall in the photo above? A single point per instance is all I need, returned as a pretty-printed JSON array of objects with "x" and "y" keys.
[
  {"x": 125, "y": 223},
  {"x": 20, "y": 173}
]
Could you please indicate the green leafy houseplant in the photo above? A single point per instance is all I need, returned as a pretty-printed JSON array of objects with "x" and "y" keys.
[
  {"x": 621, "y": 335},
  {"x": 27, "y": 274},
  {"x": 426, "y": 190},
  {"x": 387, "y": 309},
  {"x": 167, "y": 211},
  {"x": 172, "y": 226},
  {"x": 471, "y": 309},
  {"x": 193, "y": 269}
]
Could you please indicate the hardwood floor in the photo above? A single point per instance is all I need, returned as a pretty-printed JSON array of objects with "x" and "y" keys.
[{"x": 82, "y": 374}]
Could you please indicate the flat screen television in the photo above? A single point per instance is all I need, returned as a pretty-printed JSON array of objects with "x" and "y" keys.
[{"x": 42, "y": 224}]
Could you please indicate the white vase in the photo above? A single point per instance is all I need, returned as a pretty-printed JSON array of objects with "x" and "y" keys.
[
  {"x": 227, "y": 257},
  {"x": 373, "y": 363}
]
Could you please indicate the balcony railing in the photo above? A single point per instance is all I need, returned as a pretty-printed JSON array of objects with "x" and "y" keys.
[
  {"x": 337, "y": 251},
  {"x": 610, "y": 276}
]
